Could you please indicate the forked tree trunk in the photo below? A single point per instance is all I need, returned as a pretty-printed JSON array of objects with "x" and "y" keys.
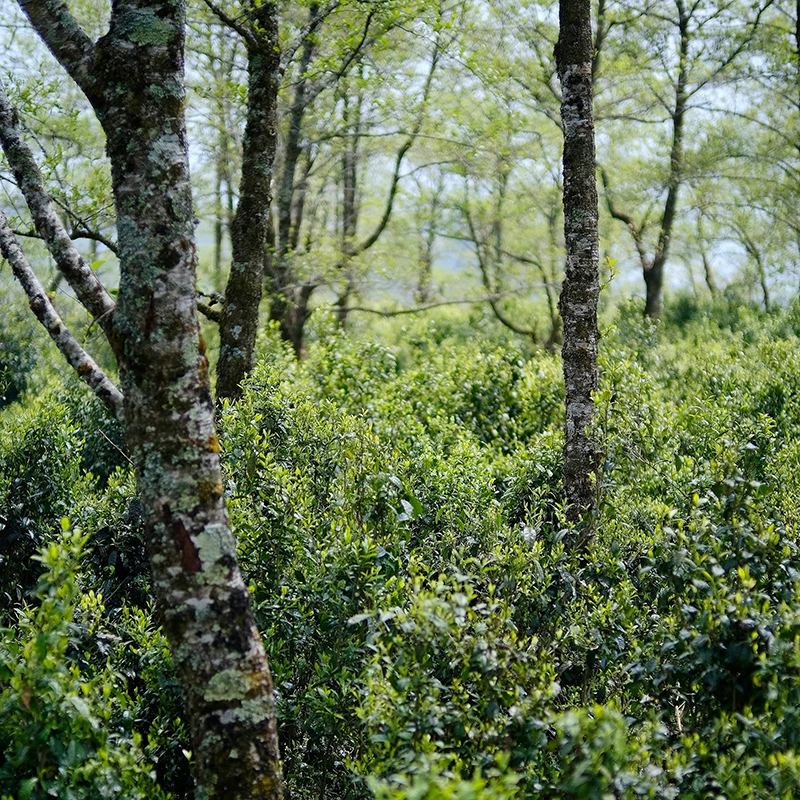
[
  {"x": 654, "y": 276},
  {"x": 133, "y": 77},
  {"x": 581, "y": 289}
]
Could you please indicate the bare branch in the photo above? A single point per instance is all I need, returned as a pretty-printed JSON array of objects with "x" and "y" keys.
[
  {"x": 78, "y": 233},
  {"x": 330, "y": 79},
  {"x": 736, "y": 52},
  {"x": 387, "y": 312},
  {"x": 487, "y": 283},
  {"x": 83, "y": 230},
  {"x": 45, "y": 312},
  {"x": 401, "y": 154},
  {"x": 621, "y": 216},
  {"x": 215, "y": 298},
  {"x": 534, "y": 262},
  {"x": 213, "y": 314}
]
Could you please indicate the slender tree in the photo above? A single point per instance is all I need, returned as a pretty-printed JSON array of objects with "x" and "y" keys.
[
  {"x": 133, "y": 78},
  {"x": 653, "y": 266},
  {"x": 238, "y": 323},
  {"x": 581, "y": 289}
]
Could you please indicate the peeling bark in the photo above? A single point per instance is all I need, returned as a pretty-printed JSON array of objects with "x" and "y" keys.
[
  {"x": 581, "y": 288},
  {"x": 238, "y": 324},
  {"x": 45, "y": 312},
  {"x": 136, "y": 87}
]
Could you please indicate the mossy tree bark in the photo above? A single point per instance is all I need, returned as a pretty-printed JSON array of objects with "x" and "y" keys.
[
  {"x": 133, "y": 77},
  {"x": 581, "y": 289}
]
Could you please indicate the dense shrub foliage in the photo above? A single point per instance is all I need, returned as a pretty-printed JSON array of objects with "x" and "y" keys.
[
  {"x": 17, "y": 352},
  {"x": 398, "y": 505}
]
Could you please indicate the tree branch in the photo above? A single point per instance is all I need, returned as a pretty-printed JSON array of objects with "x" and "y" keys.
[
  {"x": 345, "y": 65},
  {"x": 385, "y": 312},
  {"x": 491, "y": 297},
  {"x": 45, "y": 312},
  {"x": 735, "y": 53},
  {"x": 621, "y": 216},
  {"x": 82, "y": 229},
  {"x": 78, "y": 233},
  {"x": 213, "y": 314},
  {"x": 65, "y": 38},
  {"x": 309, "y": 28},
  {"x": 247, "y": 33},
  {"x": 401, "y": 154},
  {"x": 80, "y": 276}
]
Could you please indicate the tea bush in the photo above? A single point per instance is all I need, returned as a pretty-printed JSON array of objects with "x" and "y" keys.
[
  {"x": 65, "y": 730},
  {"x": 401, "y": 525},
  {"x": 17, "y": 353}
]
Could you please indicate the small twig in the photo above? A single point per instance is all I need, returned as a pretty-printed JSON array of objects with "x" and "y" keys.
[
  {"x": 95, "y": 321},
  {"x": 116, "y": 447}
]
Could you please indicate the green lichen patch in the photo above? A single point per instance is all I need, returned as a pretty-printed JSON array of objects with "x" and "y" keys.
[
  {"x": 214, "y": 542},
  {"x": 230, "y": 684},
  {"x": 143, "y": 27}
]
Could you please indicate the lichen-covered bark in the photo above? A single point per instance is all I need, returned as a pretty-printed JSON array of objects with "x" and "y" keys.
[
  {"x": 45, "y": 312},
  {"x": 138, "y": 95},
  {"x": 80, "y": 276},
  {"x": 580, "y": 292},
  {"x": 239, "y": 320}
]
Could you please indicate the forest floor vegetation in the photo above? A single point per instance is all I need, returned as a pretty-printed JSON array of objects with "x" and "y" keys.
[{"x": 397, "y": 499}]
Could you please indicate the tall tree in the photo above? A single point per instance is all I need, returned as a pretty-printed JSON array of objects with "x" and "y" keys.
[
  {"x": 685, "y": 53},
  {"x": 653, "y": 266},
  {"x": 133, "y": 78},
  {"x": 238, "y": 322},
  {"x": 581, "y": 289}
]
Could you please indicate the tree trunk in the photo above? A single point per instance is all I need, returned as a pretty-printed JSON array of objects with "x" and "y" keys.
[
  {"x": 45, "y": 312},
  {"x": 133, "y": 77},
  {"x": 294, "y": 148},
  {"x": 580, "y": 292},
  {"x": 425, "y": 272},
  {"x": 238, "y": 323},
  {"x": 282, "y": 301},
  {"x": 218, "y": 211},
  {"x": 653, "y": 285},
  {"x": 293, "y": 317}
]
